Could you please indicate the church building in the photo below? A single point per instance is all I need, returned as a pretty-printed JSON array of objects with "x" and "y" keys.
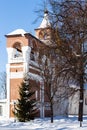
[{"x": 22, "y": 50}]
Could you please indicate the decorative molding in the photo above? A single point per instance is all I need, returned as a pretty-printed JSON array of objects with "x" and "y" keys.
[
  {"x": 18, "y": 66},
  {"x": 16, "y": 75}
]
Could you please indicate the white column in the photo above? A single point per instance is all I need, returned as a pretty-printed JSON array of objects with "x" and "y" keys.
[
  {"x": 42, "y": 99},
  {"x": 8, "y": 89},
  {"x": 26, "y": 56},
  {"x": 10, "y": 53}
]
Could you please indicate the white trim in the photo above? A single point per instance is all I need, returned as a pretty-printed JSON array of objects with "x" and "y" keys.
[
  {"x": 26, "y": 55},
  {"x": 9, "y": 52},
  {"x": 25, "y": 70},
  {"x": 17, "y": 60},
  {"x": 15, "y": 75},
  {"x": 18, "y": 66}
]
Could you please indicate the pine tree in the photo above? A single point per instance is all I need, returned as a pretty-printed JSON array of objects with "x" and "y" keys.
[{"x": 26, "y": 107}]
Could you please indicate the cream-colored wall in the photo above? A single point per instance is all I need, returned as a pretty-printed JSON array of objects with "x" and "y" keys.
[
  {"x": 74, "y": 104},
  {"x": 85, "y": 106},
  {"x": 3, "y": 104}
]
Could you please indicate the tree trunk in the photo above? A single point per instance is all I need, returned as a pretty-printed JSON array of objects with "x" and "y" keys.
[
  {"x": 80, "y": 116},
  {"x": 81, "y": 81},
  {"x": 51, "y": 112}
]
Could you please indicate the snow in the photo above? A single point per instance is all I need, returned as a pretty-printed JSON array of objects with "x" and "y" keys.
[
  {"x": 34, "y": 63},
  {"x": 60, "y": 123},
  {"x": 35, "y": 77},
  {"x": 17, "y": 31}
]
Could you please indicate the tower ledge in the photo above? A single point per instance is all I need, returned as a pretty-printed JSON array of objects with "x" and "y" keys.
[{"x": 17, "y": 32}]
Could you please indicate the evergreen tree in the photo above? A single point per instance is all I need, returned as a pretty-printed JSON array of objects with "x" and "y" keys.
[{"x": 26, "y": 107}]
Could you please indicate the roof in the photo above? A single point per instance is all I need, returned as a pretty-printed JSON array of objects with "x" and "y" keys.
[
  {"x": 45, "y": 22},
  {"x": 17, "y": 32}
]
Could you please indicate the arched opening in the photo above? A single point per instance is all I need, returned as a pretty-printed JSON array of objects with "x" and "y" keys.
[
  {"x": 41, "y": 35},
  {"x": 17, "y": 50},
  {"x": 33, "y": 50}
]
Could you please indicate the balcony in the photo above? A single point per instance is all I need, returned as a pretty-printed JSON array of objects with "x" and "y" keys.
[{"x": 16, "y": 60}]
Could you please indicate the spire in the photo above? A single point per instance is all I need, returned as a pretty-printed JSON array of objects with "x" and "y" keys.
[
  {"x": 45, "y": 11},
  {"x": 45, "y": 22}
]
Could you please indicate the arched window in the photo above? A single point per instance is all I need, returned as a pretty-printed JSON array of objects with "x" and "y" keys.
[
  {"x": 33, "y": 50},
  {"x": 41, "y": 35},
  {"x": 44, "y": 34},
  {"x": 32, "y": 57},
  {"x": 18, "y": 50}
]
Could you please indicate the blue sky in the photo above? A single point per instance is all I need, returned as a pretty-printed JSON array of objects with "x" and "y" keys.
[{"x": 16, "y": 14}]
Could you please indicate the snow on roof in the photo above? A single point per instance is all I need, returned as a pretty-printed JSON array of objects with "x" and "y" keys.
[
  {"x": 35, "y": 77},
  {"x": 17, "y": 31},
  {"x": 34, "y": 63},
  {"x": 45, "y": 22}
]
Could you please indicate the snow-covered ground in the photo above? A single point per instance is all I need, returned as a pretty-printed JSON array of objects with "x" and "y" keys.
[{"x": 60, "y": 123}]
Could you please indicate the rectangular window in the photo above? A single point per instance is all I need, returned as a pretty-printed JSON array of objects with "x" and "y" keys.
[{"x": 32, "y": 56}]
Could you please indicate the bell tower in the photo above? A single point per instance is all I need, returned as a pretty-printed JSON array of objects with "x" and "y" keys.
[
  {"x": 18, "y": 64},
  {"x": 43, "y": 32}
]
